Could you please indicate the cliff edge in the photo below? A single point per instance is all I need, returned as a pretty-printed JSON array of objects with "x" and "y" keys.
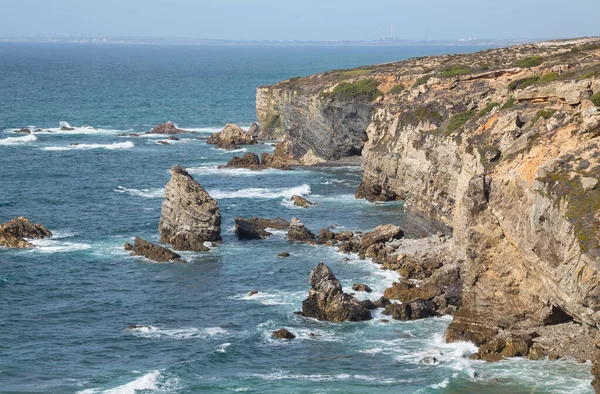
[{"x": 502, "y": 146}]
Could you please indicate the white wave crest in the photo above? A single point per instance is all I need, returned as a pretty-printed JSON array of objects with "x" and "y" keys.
[
  {"x": 113, "y": 146},
  {"x": 148, "y": 381},
  {"x": 18, "y": 140},
  {"x": 151, "y": 332},
  {"x": 215, "y": 170},
  {"x": 145, "y": 193},
  {"x": 76, "y": 130},
  {"x": 262, "y": 193},
  {"x": 54, "y": 246},
  {"x": 225, "y": 151}
]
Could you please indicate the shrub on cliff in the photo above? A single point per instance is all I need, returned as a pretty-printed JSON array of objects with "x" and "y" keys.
[
  {"x": 522, "y": 83},
  {"x": 454, "y": 70},
  {"x": 596, "y": 99},
  {"x": 488, "y": 108},
  {"x": 529, "y": 62},
  {"x": 365, "y": 89},
  {"x": 396, "y": 89},
  {"x": 422, "y": 80},
  {"x": 458, "y": 120}
]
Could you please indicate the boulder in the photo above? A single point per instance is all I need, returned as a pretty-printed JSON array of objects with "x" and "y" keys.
[
  {"x": 231, "y": 137},
  {"x": 190, "y": 216},
  {"x": 13, "y": 233},
  {"x": 361, "y": 287},
  {"x": 397, "y": 311},
  {"x": 154, "y": 252},
  {"x": 252, "y": 292},
  {"x": 23, "y": 131},
  {"x": 421, "y": 309},
  {"x": 254, "y": 130},
  {"x": 255, "y": 228},
  {"x": 283, "y": 255},
  {"x": 173, "y": 138},
  {"x": 283, "y": 334},
  {"x": 166, "y": 128},
  {"x": 276, "y": 162},
  {"x": 249, "y": 160},
  {"x": 128, "y": 246},
  {"x": 383, "y": 233},
  {"x": 326, "y": 235},
  {"x": 382, "y": 302},
  {"x": 326, "y": 300},
  {"x": 406, "y": 291},
  {"x": 298, "y": 232},
  {"x": 368, "y": 304},
  {"x": 302, "y": 202}
]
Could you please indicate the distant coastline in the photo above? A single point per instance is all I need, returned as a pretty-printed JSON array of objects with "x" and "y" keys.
[{"x": 200, "y": 41}]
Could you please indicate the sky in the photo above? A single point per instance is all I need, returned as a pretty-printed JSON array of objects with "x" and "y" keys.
[{"x": 302, "y": 19}]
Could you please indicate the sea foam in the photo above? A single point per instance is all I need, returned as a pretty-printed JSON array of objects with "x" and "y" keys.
[
  {"x": 262, "y": 193},
  {"x": 26, "y": 139},
  {"x": 145, "y": 193},
  {"x": 113, "y": 146}
]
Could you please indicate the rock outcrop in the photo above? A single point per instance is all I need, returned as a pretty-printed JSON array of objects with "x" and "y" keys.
[
  {"x": 231, "y": 137},
  {"x": 251, "y": 161},
  {"x": 298, "y": 232},
  {"x": 283, "y": 334},
  {"x": 500, "y": 146},
  {"x": 256, "y": 228},
  {"x": 190, "y": 216},
  {"x": 326, "y": 300},
  {"x": 154, "y": 252},
  {"x": 166, "y": 128},
  {"x": 13, "y": 234},
  {"x": 302, "y": 202}
]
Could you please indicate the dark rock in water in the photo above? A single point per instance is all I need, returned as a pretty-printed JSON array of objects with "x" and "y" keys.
[
  {"x": 298, "y": 232},
  {"x": 326, "y": 300},
  {"x": 190, "y": 216},
  {"x": 23, "y": 131},
  {"x": 398, "y": 311},
  {"x": 596, "y": 372},
  {"x": 283, "y": 255},
  {"x": 252, "y": 292},
  {"x": 383, "y": 233},
  {"x": 283, "y": 334},
  {"x": 166, "y": 128},
  {"x": 128, "y": 246},
  {"x": 302, "y": 202},
  {"x": 66, "y": 128},
  {"x": 231, "y": 137},
  {"x": 173, "y": 138},
  {"x": 429, "y": 360},
  {"x": 382, "y": 302},
  {"x": 361, "y": 287},
  {"x": 326, "y": 235},
  {"x": 255, "y": 228},
  {"x": 163, "y": 142},
  {"x": 254, "y": 130},
  {"x": 249, "y": 160},
  {"x": 14, "y": 232},
  {"x": 420, "y": 309},
  {"x": 368, "y": 304},
  {"x": 499, "y": 348},
  {"x": 137, "y": 327},
  {"x": 154, "y": 252}
]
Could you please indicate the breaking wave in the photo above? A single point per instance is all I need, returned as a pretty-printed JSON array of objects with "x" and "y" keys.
[
  {"x": 262, "y": 193},
  {"x": 18, "y": 140},
  {"x": 113, "y": 146}
]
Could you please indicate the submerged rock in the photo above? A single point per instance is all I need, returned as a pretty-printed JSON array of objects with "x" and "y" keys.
[
  {"x": 190, "y": 216},
  {"x": 231, "y": 137},
  {"x": 154, "y": 252},
  {"x": 298, "y": 232},
  {"x": 326, "y": 300},
  {"x": 23, "y": 131},
  {"x": 283, "y": 255},
  {"x": 166, "y": 128},
  {"x": 302, "y": 202},
  {"x": 14, "y": 232},
  {"x": 283, "y": 334},
  {"x": 128, "y": 246},
  {"x": 361, "y": 287},
  {"x": 255, "y": 228},
  {"x": 252, "y": 292}
]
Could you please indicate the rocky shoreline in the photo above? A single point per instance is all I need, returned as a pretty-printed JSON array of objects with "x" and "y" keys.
[{"x": 498, "y": 146}]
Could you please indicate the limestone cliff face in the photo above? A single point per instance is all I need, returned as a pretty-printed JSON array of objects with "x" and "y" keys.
[{"x": 502, "y": 146}]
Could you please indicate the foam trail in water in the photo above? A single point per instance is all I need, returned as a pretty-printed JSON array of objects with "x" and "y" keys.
[
  {"x": 215, "y": 170},
  {"x": 262, "y": 193},
  {"x": 152, "y": 332},
  {"x": 18, "y": 140},
  {"x": 54, "y": 246},
  {"x": 113, "y": 146},
  {"x": 148, "y": 381},
  {"x": 145, "y": 193}
]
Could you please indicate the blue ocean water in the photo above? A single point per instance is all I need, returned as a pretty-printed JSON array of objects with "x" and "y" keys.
[{"x": 65, "y": 305}]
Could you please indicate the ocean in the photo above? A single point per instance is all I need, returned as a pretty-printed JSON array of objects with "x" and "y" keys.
[{"x": 65, "y": 305}]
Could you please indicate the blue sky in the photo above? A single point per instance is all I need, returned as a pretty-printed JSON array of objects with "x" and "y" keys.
[{"x": 302, "y": 20}]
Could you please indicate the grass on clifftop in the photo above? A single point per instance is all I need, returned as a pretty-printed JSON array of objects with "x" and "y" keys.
[
  {"x": 365, "y": 89},
  {"x": 488, "y": 108},
  {"x": 529, "y": 62},
  {"x": 596, "y": 99}
]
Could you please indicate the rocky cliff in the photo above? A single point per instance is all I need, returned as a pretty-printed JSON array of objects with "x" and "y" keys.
[{"x": 502, "y": 146}]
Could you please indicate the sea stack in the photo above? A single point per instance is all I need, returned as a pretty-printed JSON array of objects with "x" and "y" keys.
[
  {"x": 326, "y": 300},
  {"x": 13, "y": 234},
  {"x": 190, "y": 216}
]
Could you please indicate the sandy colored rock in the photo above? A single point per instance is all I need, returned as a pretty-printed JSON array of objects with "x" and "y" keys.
[
  {"x": 166, "y": 128},
  {"x": 231, "y": 137},
  {"x": 302, "y": 202},
  {"x": 298, "y": 232},
  {"x": 14, "y": 232},
  {"x": 190, "y": 216}
]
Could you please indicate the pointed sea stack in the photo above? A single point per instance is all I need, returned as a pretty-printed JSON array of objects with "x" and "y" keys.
[
  {"x": 190, "y": 216},
  {"x": 326, "y": 300}
]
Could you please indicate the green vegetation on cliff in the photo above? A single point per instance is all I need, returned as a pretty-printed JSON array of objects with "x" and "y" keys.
[
  {"x": 365, "y": 89},
  {"x": 488, "y": 108},
  {"x": 454, "y": 70},
  {"x": 529, "y": 62},
  {"x": 397, "y": 89},
  {"x": 596, "y": 99}
]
